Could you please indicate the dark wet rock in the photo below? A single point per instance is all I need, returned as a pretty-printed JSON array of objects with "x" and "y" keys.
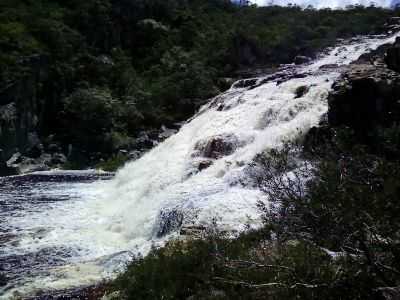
[
  {"x": 216, "y": 147},
  {"x": 20, "y": 164},
  {"x": 366, "y": 96},
  {"x": 393, "y": 24},
  {"x": 300, "y": 59},
  {"x": 146, "y": 140},
  {"x": 166, "y": 132},
  {"x": 301, "y": 91},
  {"x": 204, "y": 164},
  {"x": 29, "y": 165},
  {"x": 134, "y": 155},
  {"x": 328, "y": 67},
  {"x": 392, "y": 57},
  {"x": 393, "y": 21},
  {"x": 245, "y": 83},
  {"x": 169, "y": 221}
]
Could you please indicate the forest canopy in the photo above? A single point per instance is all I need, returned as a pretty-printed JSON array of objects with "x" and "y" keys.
[{"x": 146, "y": 63}]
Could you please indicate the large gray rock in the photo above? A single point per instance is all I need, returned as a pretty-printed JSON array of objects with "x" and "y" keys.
[
  {"x": 392, "y": 57},
  {"x": 22, "y": 165},
  {"x": 366, "y": 96},
  {"x": 301, "y": 59}
]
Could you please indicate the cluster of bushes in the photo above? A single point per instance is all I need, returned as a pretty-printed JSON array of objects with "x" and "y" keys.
[
  {"x": 331, "y": 231},
  {"x": 116, "y": 67}
]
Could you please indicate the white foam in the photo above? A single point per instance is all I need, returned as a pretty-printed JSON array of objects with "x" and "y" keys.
[{"x": 122, "y": 215}]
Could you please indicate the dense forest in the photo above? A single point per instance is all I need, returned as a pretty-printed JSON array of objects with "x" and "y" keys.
[{"x": 84, "y": 79}]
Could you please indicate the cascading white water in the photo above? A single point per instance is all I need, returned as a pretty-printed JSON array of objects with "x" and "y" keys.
[
  {"x": 253, "y": 120},
  {"x": 111, "y": 220}
]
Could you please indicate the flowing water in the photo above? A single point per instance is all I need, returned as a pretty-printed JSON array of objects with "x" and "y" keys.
[{"x": 68, "y": 229}]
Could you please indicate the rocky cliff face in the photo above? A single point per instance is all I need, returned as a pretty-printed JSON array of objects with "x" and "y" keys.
[
  {"x": 365, "y": 98},
  {"x": 19, "y": 108},
  {"x": 25, "y": 110}
]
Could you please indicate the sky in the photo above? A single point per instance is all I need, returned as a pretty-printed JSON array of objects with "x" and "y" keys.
[{"x": 326, "y": 3}]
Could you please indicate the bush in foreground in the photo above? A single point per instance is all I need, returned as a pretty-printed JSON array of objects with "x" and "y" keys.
[{"x": 332, "y": 233}]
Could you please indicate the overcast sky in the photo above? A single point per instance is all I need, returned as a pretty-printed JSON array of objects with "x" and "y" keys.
[{"x": 325, "y": 3}]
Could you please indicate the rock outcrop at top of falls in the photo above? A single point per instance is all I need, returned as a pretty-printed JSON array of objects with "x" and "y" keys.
[{"x": 365, "y": 97}]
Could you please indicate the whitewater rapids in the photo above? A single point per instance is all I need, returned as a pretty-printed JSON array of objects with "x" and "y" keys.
[{"x": 106, "y": 222}]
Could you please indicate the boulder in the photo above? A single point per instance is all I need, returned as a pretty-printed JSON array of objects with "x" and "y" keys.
[
  {"x": 216, "y": 146},
  {"x": 366, "y": 96},
  {"x": 19, "y": 164},
  {"x": 301, "y": 91},
  {"x": 301, "y": 59},
  {"x": 245, "y": 83},
  {"x": 204, "y": 164},
  {"x": 393, "y": 23},
  {"x": 29, "y": 165}
]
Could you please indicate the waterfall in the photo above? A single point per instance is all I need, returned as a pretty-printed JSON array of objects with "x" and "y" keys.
[{"x": 194, "y": 178}]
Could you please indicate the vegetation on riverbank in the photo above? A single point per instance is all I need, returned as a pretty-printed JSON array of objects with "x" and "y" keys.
[
  {"x": 93, "y": 74},
  {"x": 335, "y": 237}
]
